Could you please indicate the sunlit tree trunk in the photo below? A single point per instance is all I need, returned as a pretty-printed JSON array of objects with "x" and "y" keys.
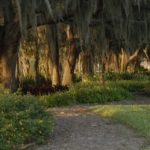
[
  {"x": 71, "y": 55},
  {"x": 132, "y": 58},
  {"x": 69, "y": 65},
  {"x": 54, "y": 53},
  {"x": 123, "y": 60},
  {"x": 55, "y": 75},
  {"x": 116, "y": 62}
]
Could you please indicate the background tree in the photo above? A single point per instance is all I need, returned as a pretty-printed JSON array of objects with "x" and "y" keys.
[{"x": 116, "y": 30}]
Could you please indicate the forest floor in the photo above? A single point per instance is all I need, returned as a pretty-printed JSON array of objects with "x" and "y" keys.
[{"x": 77, "y": 128}]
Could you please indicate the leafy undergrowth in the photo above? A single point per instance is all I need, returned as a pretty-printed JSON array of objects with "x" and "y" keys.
[
  {"x": 93, "y": 92},
  {"x": 142, "y": 75},
  {"x": 23, "y": 120},
  {"x": 131, "y": 86},
  {"x": 135, "y": 116},
  {"x": 87, "y": 93}
]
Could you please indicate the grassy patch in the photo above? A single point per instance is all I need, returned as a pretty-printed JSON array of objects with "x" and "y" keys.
[
  {"x": 23, "y": 120},
  {"x": 93, "y": 92},
  {"x": 111, "y": 76},
  {"x": 136, "y": 116},
  {"x": 129, "y": 85},
  {"x": 86, "y": 94}
]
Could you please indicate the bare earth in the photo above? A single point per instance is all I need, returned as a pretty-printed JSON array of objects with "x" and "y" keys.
[{"x": 78, "y": 129}]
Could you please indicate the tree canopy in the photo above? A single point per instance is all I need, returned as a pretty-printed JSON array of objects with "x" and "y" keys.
[
  {"x": 123, "y": 20},
  {"x": 89, "y": 25}
]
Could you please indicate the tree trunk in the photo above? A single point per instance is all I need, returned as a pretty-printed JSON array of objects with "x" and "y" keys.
[
  {"x": 71, "y": 55},
  {"x": 122, "y": 61},
  {"x": 69, "y": 66},
  {"x": 9, "y": 78},
  {"x": 54, "y": 53},
  {"x": 37, "y": 60},
  {"x": 55, "y": 75},
  {"x": 87, "y": 64},
  {"x": 9, "y": 53},
  {"x": 132, "y": 58}
]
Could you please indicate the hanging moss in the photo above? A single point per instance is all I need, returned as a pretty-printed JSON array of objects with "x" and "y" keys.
[{"x": 126, "y": 20}]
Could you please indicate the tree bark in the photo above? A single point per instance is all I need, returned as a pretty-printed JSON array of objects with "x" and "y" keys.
[
  {"x": 69, "y": 65},
  {"x": 132, "y": 58},
  {"x": 71, "y": 55},
  {"x": 55, "y": 76},
  {"x": 54, "y": 53},
  {"x": 87, "y": 64},
  {"x": 122, "y": 67},
  {"x": 9, "y": 53},
  {"x": 37, "y": 60}
]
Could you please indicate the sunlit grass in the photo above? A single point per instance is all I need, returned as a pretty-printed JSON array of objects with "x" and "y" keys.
[{"x": 135, "y": 116}]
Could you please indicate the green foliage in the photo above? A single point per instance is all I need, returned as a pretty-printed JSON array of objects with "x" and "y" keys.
[
  {"x": 23, "y": 120},
  {"x": 130, "y": 85},
  {"x": 127, "y": 76},
  {"x": 87, "y": 93},
  {"x": 135, "y": 116},
  {"x": 101, "y": 95},
  {"x": 58, "y": 99}
]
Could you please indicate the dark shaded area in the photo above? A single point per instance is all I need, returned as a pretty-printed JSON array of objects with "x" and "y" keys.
[{"x": 44, "y": 89}]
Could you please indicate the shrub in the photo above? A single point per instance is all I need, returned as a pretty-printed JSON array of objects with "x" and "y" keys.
[
  {"x": 23, "y": 120},
  {"x": 86, "y": 93},
  {"x": 126, "y": 76},
  {"x": 58, "y": 99},
  {"x": 131, "y": 86}
]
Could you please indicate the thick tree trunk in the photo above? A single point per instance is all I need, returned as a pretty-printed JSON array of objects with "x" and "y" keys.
[
  {"x": 54, "y": 53},
  {"x": 71, "y": 55},
  {"x": 55, "y": 75},
  {"x": 9, "y": 78},
  {"x": 9, "y": 53},
  {"x": 69, "y": 66}
]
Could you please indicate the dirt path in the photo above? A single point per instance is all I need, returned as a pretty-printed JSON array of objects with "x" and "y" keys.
[{"x": 78, "y": 129}]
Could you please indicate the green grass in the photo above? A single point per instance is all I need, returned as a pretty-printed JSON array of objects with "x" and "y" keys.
[
  {"x": 24, "y": 118},
  {"x": 147, "y": 148},
  {"x": 86, "y": 93},
  {"x": 143, "y": 75},
  {"x": 129, "y": 85},
  {"x": 92, "y": 92},
  {"x": 135, "y": 116}
]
